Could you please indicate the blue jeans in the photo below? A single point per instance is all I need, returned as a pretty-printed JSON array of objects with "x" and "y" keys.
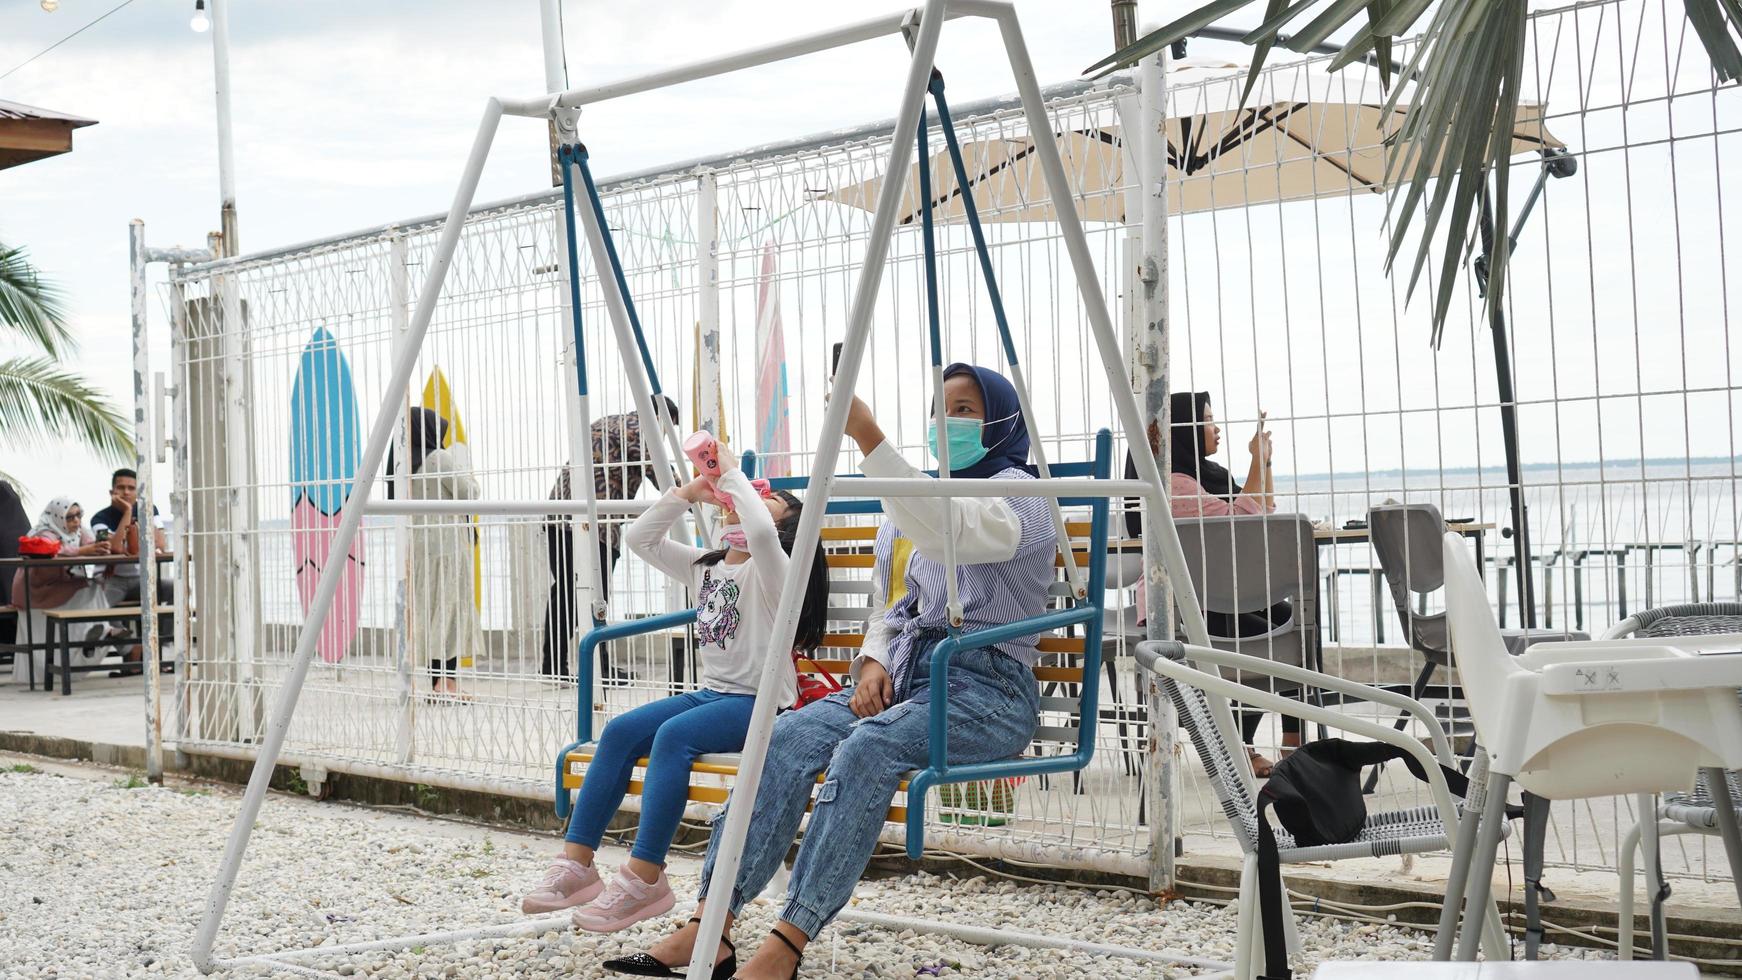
[
  {"x": 670, "y": 732},
  {"x": 993, "y": 712}
]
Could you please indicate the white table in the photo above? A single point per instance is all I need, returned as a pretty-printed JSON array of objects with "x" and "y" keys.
[{"x": 1519, "y": 970}]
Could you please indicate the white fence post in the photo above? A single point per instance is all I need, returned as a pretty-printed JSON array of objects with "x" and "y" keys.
[{"x": 1150, "y": 383}]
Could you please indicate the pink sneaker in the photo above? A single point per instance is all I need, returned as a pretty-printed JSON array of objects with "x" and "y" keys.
[
  {"x": 567, "y": 884},
  {"x": 627, "y": 900}
]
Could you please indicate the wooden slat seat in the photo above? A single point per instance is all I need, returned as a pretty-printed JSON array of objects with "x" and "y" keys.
[{"x": 722, "y": 764}]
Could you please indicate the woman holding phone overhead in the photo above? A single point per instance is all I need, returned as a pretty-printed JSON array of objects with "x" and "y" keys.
[{"x": 863, "y": 739}]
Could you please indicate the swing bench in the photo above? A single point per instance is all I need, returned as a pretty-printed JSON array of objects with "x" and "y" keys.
[
  {"x": 1071, "y": 661},
  {"x": 1070, "y": 645}
]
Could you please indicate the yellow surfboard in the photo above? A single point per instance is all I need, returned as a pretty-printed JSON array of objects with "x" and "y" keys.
[{"x": 438, "y": 397}]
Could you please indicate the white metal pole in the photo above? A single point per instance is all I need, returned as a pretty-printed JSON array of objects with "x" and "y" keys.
[
  {"x": 737, "y": 819},
  {"x": 783, "y": 50},
  {"x": 1161, "y": 542},
  {"x": 226, "y": 154},
  {"x": 351, "y": 519},
  {"x": 584, "y": 547},
  {"x": 399, "y": 286},
  {"x": 708, "y": 407},
  {"x": 523, "y": 508},
  {"x": 145, "y": 452},
  {"x": 1100, "y": 320},
  {"x": 982, "y": 936},
  {"x": 1150, "y": 382},
  {"x": 182, "y": 428},
  {"x": 238, "y": 504}
]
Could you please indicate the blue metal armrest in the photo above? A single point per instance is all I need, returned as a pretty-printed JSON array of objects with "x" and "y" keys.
[
  {"x": 584, "y": 684},
  {"x": 940, "y": 772}
]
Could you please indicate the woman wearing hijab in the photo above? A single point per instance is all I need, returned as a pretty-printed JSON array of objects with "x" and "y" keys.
[
  {"x": 861, "y": 740},
  {"x": 441, "y": 554},
  {"x": 1202, "y": 487},
  {"x": 62, "y": 522}
]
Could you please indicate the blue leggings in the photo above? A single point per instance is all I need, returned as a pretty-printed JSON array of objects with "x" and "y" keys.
[{"x": 670, "y": 732}]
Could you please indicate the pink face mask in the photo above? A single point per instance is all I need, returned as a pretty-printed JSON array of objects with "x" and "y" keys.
[{"x": 734, "y": 538}]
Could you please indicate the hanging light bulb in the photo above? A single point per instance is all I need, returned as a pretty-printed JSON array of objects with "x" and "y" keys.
[
  {"x": 50, "y": 6},
  {"x": 199, "y": 22}
]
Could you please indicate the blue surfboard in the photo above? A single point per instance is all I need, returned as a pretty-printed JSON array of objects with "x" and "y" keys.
[{"x": 325, "y": 440}]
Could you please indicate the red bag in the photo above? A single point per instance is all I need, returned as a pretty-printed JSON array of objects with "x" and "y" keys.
[
  {"x": 29, "y": 547},
  {"x": 810, "y": 688}
]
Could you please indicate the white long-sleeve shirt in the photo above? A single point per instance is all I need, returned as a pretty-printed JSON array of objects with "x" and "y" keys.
[
  {"x": 735, "y": 604},
  {"x": 1004, "y": 553}
]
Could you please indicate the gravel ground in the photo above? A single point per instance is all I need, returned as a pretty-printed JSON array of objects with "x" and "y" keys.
[{"x": 101, "y": 876}]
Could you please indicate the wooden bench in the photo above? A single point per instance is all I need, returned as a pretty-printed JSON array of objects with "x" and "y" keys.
[
  {"x": 1069, "y": 643},
  {"x": 61, "y": 623}
]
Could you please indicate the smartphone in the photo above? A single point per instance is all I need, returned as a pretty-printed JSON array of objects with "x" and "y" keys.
[{"x": 835, "y": 361}]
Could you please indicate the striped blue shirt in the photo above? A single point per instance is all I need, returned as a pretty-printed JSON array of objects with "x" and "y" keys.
[{"x": 992, "y": 594}]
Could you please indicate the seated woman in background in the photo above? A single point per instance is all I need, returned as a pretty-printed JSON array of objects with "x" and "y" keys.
[
  {"x": 58, "y": 587},
  {"x": 1201, "y": 487}
]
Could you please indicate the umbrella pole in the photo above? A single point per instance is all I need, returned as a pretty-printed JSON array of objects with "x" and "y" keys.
[
  {"x": 1508, "y": 425},
  {"x": 1555, "y": 163}
]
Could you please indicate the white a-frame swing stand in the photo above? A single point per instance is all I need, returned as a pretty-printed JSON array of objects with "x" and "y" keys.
[{"x": 921, "y": 28}]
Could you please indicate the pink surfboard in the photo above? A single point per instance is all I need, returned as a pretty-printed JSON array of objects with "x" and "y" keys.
[
  {"x": 325, "y": 446},
  {"x": 312, "y": 536}
]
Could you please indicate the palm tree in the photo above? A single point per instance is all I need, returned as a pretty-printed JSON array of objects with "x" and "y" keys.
[
  {"x": 1468, "y": 73},
  {"x": 41, "y": 402}
]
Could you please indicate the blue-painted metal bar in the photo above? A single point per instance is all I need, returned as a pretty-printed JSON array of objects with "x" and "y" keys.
[
  {"x": 1088, "y": 614},
  {"x": 565, "y": 159},
  {"x": 584, "y": 683},
  {"x": 928, "y": 232},
  {"x": 972, "y": 213},
  {"x": 580, "y": 158}
]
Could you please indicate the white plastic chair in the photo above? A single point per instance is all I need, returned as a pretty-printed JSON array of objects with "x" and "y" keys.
[
  {"x": 1576, "y": 720},
  {"x": 1715, "y": 806},
  {"x": 1201, "y": 695}
]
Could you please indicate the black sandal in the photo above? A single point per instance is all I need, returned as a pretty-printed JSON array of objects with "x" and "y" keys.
[
  {"x": 776, "y": 933},
  {"x": 644, "y": 965}
]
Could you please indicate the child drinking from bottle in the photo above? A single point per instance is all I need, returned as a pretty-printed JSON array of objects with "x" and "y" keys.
[{"x": 737, "y": 589}]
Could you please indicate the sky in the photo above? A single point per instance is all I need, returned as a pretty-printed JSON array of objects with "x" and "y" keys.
[{"x": 348, "y": 115}]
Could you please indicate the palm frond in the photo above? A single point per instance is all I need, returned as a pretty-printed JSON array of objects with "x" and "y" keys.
[
  {"x": 1460, "y": 118},
  {"x": 41, "y": 404},
  {"x": 31, "y": 307}
]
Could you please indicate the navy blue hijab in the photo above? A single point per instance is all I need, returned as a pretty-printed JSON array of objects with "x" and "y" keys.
[{"x": 1005, "y": 433}]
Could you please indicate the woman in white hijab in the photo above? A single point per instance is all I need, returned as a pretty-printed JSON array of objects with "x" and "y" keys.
[{"x": 61, "y": 587}]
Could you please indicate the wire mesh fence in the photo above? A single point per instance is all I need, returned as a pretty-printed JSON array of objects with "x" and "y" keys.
[{"x": 1617, "y": 332}]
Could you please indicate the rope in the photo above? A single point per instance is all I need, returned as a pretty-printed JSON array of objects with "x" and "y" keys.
[
  {"x": 940, "y": 410},
  {"x": 1073, "y": 574}
]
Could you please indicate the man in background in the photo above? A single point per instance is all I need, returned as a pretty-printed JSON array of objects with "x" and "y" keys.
[
  {"x": 620, "y": 462},
  {"x": 119, "y": 525}
]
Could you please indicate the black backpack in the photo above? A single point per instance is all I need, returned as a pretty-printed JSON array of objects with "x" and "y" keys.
[{"x": 1316, "y": 794}]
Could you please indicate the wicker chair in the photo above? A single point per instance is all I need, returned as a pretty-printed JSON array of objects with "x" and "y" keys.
[
  {"x": 1698, "y": 812},
  {"x": 1201, "y": 696}
]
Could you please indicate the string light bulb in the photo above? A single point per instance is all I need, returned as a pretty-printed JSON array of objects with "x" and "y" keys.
[
  {"x": 50, "y": 6},
  {"x": 200, "y": 22}
]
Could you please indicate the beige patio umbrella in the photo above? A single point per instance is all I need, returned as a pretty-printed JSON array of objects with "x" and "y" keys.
[{"x": 1305, "y": 133}]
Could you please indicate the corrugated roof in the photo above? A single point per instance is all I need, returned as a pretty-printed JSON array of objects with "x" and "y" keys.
[{"x": 18, "y": 110}]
